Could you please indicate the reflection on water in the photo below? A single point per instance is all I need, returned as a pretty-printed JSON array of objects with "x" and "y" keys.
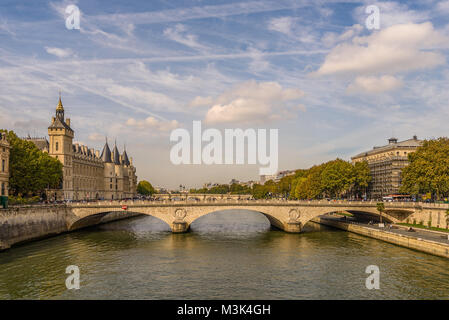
[{"x": 228, "y": 255}]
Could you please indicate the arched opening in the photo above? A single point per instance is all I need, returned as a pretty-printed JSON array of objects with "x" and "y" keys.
[
  {"x": 233, "y": 222},
  {"x": 367, "y": 216},
  {"x": 147, "y": 223}
]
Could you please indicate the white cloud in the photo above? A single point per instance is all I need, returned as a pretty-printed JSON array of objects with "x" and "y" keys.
[
  {"x": 282, "y": 25},
  {"x": 96, "y": 137},
  {"x": 252, "y": 102},
  {"x": 59, "y": 52},
  {"x": 331, "y": 38},
  {"x": 443, "y": 6},
  {"x": 201, "y": 102},
  {"x": 157, "y": 100},
  {"x": 153, "y": 123},
  {"x": 178, "y": 34},
  {"x": 374, "y": 84},
  {"x": 398, "y": 48}
]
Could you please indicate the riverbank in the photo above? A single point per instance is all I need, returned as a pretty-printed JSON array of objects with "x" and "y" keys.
[
  {"x": 23, "y": 224},
  {"x": 433, "y": 245}
]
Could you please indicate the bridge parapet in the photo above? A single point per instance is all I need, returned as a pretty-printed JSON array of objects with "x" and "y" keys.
[{"x": 288, "y": 215}]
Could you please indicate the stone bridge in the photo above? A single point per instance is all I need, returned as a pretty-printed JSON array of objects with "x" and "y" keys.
[{"x": 290, "y": 216}]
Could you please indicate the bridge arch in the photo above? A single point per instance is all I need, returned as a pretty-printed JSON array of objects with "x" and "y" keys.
[
  {"x": 107, "y": 216},
  {"x": 273, "y": 221},
  {"x": 290, "y": 216}
]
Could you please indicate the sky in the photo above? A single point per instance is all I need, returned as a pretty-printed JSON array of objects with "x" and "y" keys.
[{"x": 136, "y": 70}]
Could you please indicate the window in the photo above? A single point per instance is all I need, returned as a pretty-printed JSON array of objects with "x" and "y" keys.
[
  {"x": 3, "y": 165},
  {"x": 57, "y": 146}
]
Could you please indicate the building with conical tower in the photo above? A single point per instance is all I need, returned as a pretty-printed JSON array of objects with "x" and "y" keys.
[{"x": 87, "y": 175}]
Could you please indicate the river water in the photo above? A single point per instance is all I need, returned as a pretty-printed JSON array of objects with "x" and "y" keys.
[{"x": 228, "y": 255}]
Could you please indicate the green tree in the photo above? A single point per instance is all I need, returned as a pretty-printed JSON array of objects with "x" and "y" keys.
[
  {"x": 260, "y": 191},
  {"x": 380, "y": 206},
  {"x": 31, "y": 170},
  {"x": 362, "y": 178},
  {"x": 337, "y": 177},
  {"x": 309, "y": 186},
  {"x": 428, "y": 171},
  {"x": 285, "y": 185},
  {"x": 145, "y": 188}
]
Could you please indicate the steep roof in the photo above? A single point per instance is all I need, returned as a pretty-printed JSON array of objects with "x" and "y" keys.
[
  {"x": 106, "y": 154},
  {"x": 126, "y": 161},
  {"x": 116, "y": 156},
  {"x": 58, "y": 124},
  {"x": 41, "y": 143}
]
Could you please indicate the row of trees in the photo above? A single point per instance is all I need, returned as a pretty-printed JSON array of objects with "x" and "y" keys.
[
  {"x": 428, "y": 171},
  {"x": 224, "y": 189},
  {"x": 333, "y": 179},
  {"x": 31, "y": 170}
]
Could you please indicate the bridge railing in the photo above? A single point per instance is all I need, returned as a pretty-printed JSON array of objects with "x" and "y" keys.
[{"x": 114, "y": 203}]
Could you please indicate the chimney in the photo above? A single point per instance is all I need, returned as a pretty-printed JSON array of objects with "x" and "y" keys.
[
  {"x": 53, "y": 119},
  {"x": 97, "y": 154},
  {"x": 415, "y": 137},
  {"x": 392, "y": 141},
  {"x": 67, "y": 121}
]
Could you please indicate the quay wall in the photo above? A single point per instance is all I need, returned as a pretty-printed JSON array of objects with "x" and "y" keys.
[
  {"x": 23, "y": 224},
  {"x": 411, "y": 242}
]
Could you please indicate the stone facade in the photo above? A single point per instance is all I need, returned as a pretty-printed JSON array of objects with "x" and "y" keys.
[
  {"x": 386, "y": 164},
  {"x": 87, "y": 175},
  {"x": 4, "y": 165}
]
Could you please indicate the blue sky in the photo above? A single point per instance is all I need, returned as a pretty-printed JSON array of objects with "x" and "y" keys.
[{"x": 138, "y": 69}]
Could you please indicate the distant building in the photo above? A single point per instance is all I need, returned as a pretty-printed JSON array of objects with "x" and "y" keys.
[
  {"x": 233, "y": 181},
  {"x": 41, "y": 143},
  {"x": 4, "y": 163},
  {"x": 86, "y": 173},
  {"x": 161, "y": 190},
  {"x": 210, "y": 185},
  {"x": 386, "y": 163},
  {"x": 276, "y": 177},
  {"x": 248, "y": 184},
  {"x": 285, "y": 173},
  {"x": 265, "y": 178}
]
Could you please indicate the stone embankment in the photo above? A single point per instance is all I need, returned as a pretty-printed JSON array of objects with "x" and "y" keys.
[
  {"x": 22, "y": 224},
  {"x": 438, "y": 248}
]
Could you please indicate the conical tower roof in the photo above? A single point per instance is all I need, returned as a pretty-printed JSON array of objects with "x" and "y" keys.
[
  {"x": 106, "y": 154},
  {"x": 126, "y": 159},
  {"x": 116, "y": 155}
]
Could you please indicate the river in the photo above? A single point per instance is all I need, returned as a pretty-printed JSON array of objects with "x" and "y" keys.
[{"x": 227, "y": 255}]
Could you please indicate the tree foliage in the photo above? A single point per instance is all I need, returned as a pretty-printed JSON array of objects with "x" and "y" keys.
[
  {"x": 145, "y": 188},
  {"x": 333, "y": 179},
  {"x": 428, "y": 171},
  {"x": 31, "y": 170}
]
